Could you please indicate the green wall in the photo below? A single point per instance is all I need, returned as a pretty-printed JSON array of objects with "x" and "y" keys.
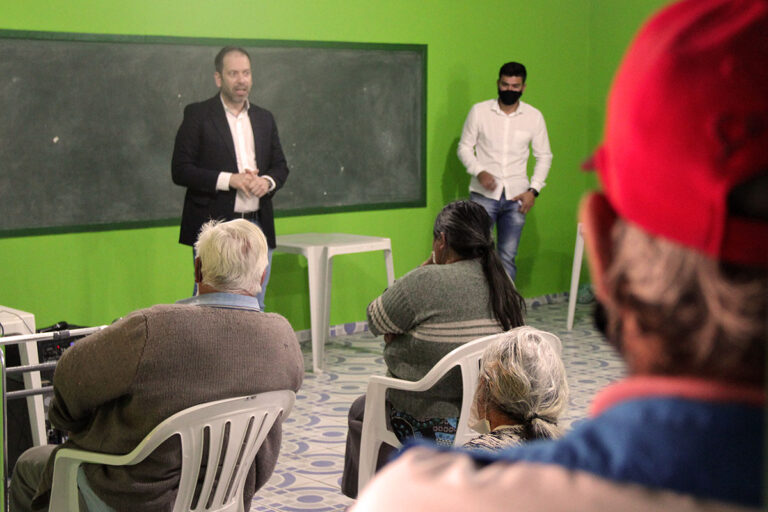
[
  {"x": 611, "y": 30},
  {"x": 570, "y": 48}
]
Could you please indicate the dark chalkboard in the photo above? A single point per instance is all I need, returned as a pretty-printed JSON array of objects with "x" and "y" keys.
[{"x": 88, "y": 123}]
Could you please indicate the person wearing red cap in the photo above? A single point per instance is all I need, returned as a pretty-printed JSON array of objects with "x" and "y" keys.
[
  {"x": 678, "y": 246},
  {"x": 494, "y": 147}
]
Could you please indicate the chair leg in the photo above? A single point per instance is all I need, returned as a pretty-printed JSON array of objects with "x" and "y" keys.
[
  {"x": 578, "y": 254},
  {"x": 368, "y": 459}
]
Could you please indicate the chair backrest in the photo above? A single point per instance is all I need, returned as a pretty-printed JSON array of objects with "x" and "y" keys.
[
  {"x": 468, "y": 357},
  {"x": 219, "y": 441}
]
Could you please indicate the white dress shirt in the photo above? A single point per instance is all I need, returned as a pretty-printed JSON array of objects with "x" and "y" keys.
[
  {"x": 245, "y": 152},
  {"x": 499, "y": 143}
]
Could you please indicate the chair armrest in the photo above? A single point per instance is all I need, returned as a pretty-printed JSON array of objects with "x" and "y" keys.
[
  {"x": 438, "y": 371},
  {"x": 64, "y": 491},
  {"x": 377, "y": 381},
  {"x": 85, "y": 457}
]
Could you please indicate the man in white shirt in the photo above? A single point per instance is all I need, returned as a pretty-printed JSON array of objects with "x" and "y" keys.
[
  {"x": 494, "y": 148},
  {"x": 228, "y": 156}
]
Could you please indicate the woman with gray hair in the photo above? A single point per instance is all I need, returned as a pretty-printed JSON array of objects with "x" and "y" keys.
[{"x": 521, "y": 392}]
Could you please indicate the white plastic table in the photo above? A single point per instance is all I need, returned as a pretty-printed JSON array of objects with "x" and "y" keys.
[{"x": 319, "y": 249}]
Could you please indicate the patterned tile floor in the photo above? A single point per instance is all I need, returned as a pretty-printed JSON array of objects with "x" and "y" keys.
[{"x": 312, "y": 456}]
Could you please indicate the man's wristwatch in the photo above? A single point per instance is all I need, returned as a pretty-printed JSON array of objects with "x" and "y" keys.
[{"x": 535, "y": 192}]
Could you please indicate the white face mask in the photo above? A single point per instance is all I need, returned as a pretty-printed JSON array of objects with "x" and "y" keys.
[
  {"x": 481, "y": 427},
  {"x": 477, "y": 422}
]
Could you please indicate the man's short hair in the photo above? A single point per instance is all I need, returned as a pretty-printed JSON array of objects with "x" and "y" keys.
[
  {"x": 233, "y": 256},
  {"x": 513, "y": 69},
  {"x": 218, "y": 62},
  {"x": 707, "y": 316}
]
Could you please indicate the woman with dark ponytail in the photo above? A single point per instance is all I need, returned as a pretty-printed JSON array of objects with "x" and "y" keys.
[
  {"x": 459, "y": 294},
  {"x": 463, "y": 232}
]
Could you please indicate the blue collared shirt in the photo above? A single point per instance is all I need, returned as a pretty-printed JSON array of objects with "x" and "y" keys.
[{"x": 223, "y": 300}]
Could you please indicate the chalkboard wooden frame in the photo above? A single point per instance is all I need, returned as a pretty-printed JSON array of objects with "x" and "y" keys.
[{"x": 357, "y": 53}]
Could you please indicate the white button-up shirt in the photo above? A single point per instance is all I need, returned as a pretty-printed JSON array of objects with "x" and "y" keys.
[
  {"x": 500, "y": 143},
  {"x": 245, "y": 153}
]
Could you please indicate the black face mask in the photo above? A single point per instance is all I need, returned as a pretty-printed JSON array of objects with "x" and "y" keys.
[
  {"x": 600, "y": 319},
  {"x": 509, "y": 97}
]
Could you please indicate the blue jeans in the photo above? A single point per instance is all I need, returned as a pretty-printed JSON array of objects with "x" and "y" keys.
[
  {"x": 509, "y": 226},
  {"x": 268, "y": 271}
]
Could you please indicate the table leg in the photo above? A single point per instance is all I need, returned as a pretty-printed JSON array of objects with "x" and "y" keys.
[
  {"x": 390, "y": 266},
  {"x": 326, "y": 319},
  {"x": 316, "y": 257}
]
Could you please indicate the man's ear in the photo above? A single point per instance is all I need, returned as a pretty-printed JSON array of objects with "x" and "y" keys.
[
  {"x": 217, "y": 79},
  {"x": 198, "y": 270},
  {"x": 598, "y": 217},
  {"x": 263, "y": 277}
]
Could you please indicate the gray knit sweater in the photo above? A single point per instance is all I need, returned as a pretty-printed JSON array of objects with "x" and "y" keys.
[
  {"x": 113, "y": 387},
  {"x": 431, "y": 310}
]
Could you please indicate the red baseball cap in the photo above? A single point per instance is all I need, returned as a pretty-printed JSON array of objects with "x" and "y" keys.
[{"x": 687, "y": 121}]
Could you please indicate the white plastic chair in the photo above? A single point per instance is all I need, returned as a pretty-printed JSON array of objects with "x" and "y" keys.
[
  {"x": 375, "y": 432},
  {"x": 243, "y": 421}
]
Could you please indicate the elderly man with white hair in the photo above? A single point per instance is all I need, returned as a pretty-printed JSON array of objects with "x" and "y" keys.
[{"x": 113, "y": 387}]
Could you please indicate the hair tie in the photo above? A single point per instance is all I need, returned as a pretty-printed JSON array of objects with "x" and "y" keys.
[
  {"x": 542, "y": 418},
  {"x": 486, "y": 249},
  {"x": 528, "y": 419}
]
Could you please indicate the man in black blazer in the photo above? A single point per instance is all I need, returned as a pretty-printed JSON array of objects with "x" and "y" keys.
[{"x": 228, "y": 155}]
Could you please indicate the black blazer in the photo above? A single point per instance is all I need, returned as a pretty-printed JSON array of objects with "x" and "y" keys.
[{"x": 204, "y": 148}]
